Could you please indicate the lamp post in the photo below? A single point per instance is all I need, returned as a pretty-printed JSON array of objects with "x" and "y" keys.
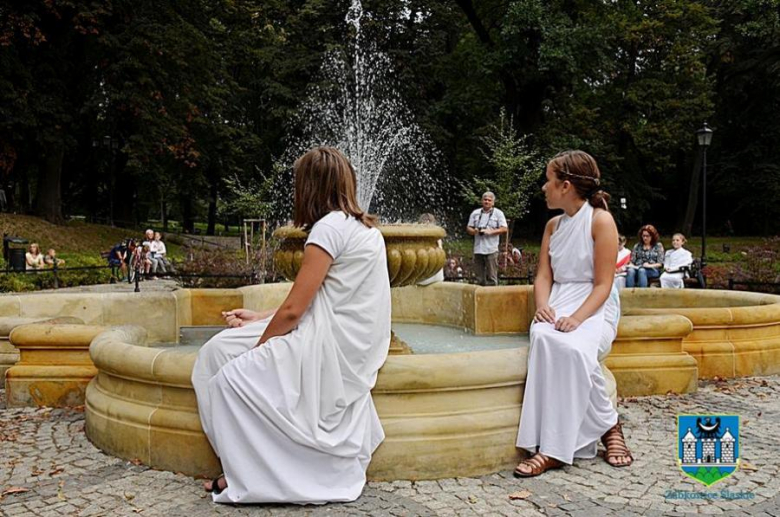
[{"x": 704, "y": 136}]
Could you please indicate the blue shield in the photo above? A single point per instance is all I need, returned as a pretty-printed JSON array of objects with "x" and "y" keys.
[{"x": 708, "y": 446}]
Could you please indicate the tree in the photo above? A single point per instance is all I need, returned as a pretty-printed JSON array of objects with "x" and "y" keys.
[{"x": 516, "y": 170}]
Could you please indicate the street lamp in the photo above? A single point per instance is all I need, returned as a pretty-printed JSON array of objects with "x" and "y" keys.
[{"x": 704, "y": 136}]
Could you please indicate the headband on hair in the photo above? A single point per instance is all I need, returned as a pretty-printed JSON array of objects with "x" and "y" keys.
[{"x": 590, "y": 178}]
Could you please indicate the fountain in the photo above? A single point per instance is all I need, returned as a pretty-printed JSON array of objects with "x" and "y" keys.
[{"x": 357, "y": 108}]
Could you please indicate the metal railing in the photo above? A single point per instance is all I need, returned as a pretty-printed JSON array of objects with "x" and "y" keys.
[
  {"x": 253, "y": 277},
  {"x": 55, "y": 270}
]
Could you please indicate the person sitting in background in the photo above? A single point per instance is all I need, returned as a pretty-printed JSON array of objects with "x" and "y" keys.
[
  {"x": 33, "y": 257},
  {"x": 623, "y": 258},
  {"x": 161, "y": 253},
  {"x": 151, "y": 254},
  {"x": 439, "y": 275},
  {"x": 147, "y": 261},
  {"x": 117, "y": 258},
  {"x": 675, "y": 260},
  {"x": 51, "y": 258},
  {"x": 453, "y": 271},
  {"x": 646, "y": 258}
]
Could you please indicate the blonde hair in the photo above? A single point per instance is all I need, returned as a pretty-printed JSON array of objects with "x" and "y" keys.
[
  {"x": 681, "y": 236},
  {"x": 37, "y": 248},
  {"x": 325, "y": 181}
]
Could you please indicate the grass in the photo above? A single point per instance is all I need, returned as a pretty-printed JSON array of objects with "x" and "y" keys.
[{"x": 77, "y": 242}]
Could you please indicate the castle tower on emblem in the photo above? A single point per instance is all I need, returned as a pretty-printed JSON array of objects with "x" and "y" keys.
[
  {"x": 689, "y": 447},
  {"x": 727, "y": 447}
]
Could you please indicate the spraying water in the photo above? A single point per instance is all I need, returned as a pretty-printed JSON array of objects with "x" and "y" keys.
[{"x": 357, "y": 108}]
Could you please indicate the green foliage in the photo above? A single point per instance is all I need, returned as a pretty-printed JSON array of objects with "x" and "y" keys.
[
  {"x": 253, "y": 199},
  {"x": 191, "y": 93},
  {"x": 516, "y": 169},
  {"x": 709, "y": 476}
]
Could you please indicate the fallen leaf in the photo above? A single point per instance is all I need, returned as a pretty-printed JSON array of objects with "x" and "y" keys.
[
  {"x": 472, "y": 499},
  {"x": 566, "y": 497},
  {"x": 744, "y": 465},
  {"x": 60, "y": 493},
  {"x": 129, "y": 496},
  {"x": 56, "y": 471},
  {"x": 136, "y": 462},
  {"x": 522, "y": 494},
  {"x": 14, "y": 490}
]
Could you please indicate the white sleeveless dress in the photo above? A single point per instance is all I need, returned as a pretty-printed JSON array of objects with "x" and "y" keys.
[
  {"x": 566, "y": 409},
  {"x": 292, "y": 421}
]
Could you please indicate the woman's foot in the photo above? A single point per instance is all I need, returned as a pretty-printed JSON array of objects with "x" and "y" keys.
[
  {"x": 216, "y": 485},
  {"x": 535, "y": 465},
  {"x": 617, "y": 453}
]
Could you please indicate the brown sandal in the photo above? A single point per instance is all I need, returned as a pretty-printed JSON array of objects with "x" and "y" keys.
[
  {"x": 615, "y": 444},
  {"x": 539, "y": 464}
]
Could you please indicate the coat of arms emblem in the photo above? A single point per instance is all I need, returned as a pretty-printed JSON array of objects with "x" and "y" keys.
[{"x": 708, "y": 446}]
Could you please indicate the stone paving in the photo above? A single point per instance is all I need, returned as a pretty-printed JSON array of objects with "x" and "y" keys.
[{"x": 47, "y": 467}]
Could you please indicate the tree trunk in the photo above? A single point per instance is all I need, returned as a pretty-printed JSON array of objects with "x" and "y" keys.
[
  {"x": 164, "y": 212},
  {"x": 125, "y": 193},
  {"x": 693, "y": 197},
  {"x": 48, "y": 199},
  {"x": 187, "y": 214},
  {"x": 212, "y": 216}
]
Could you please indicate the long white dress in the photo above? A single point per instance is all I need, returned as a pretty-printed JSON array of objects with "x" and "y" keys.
[
  {"x": 673, "y": 260},
  {"x": 293, "y": 420},
  {"x": 565, "y": 407}
]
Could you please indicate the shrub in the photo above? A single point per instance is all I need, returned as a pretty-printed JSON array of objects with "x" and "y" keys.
[
  {"x": 215, "y": 262},
  {"x": 761, "y": 264}
]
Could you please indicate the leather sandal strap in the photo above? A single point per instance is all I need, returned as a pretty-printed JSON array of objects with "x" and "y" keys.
[{"x": 539, "y": 463}]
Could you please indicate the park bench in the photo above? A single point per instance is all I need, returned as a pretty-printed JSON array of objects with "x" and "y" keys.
[{"x": 693, "y": 276}]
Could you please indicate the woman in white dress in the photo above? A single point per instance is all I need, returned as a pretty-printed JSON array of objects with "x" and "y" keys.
[
  {"x": 565, "y": 407},
  {"x": 285, "y": 396},
  {"x": 674, "y": 260}
]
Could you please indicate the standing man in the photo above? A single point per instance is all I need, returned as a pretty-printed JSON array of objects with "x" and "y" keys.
[{"x": 487, "y": 224}]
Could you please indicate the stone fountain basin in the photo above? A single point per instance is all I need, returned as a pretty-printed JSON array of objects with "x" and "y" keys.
[{"x": 444, "y": 415}]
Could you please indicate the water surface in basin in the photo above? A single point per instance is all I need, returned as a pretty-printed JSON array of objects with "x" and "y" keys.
[{"x": 424, "y": 339}]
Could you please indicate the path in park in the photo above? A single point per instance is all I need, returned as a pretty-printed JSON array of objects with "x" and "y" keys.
[{"x": 48, "y": 467}]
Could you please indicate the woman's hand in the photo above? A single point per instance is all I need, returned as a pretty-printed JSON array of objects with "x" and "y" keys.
[
  {"x": 243, "y": 317},
  {"x": 545, "y": 314},
  {"x": 567, "y": 324}
]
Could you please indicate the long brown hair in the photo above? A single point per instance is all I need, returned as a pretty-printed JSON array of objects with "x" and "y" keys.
[
  {"x": 325, "y": 181},
  {"x": 654, "y": 235},
  {"x": 580, "y": 169}
]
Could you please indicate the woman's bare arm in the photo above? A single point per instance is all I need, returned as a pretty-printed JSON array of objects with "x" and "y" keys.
[
  {"x": 544, "y": 276},
  {"x": 314, "y": 269}
]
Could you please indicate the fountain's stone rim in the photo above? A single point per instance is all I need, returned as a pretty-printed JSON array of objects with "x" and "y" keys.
[{"x": 392, "y": 231}]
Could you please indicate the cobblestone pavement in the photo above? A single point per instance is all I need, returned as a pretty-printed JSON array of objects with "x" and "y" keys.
[{"x": 47, "y": 467}]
